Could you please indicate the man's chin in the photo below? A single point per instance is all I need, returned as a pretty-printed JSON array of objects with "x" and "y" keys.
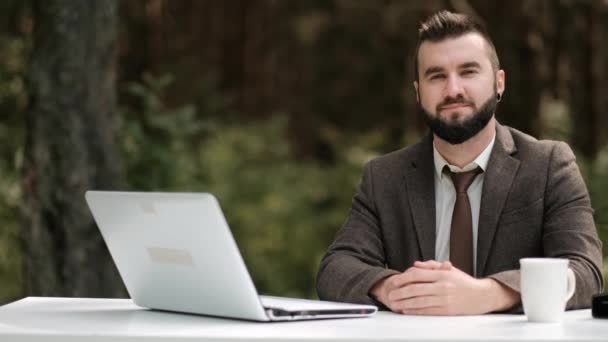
[{"x": 456, "y": 116}]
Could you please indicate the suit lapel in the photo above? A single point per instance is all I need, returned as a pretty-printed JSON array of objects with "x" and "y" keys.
[
  {"x": 421, "y": 195},
  {"x": 502, "y": 168}
]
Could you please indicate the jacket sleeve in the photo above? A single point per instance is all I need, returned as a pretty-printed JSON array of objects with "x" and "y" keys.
[
  {"x": 568, "y": 229},
  {"x": 355, "y": 261}
]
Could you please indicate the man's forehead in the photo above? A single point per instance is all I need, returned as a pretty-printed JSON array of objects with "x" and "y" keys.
[{"x": 470, "y": 47}]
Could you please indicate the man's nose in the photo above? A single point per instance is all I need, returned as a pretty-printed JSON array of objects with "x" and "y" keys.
[{"x": 453, "y": 87}]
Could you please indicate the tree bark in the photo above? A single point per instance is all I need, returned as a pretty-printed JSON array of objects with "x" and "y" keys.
[{"x": 70, "y": 148}]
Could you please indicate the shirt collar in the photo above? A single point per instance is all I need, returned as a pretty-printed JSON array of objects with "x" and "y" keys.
[{"x": 481, "y": 160}]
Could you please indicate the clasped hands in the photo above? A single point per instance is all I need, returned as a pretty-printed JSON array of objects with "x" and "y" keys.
[{"x": 438, "y": 288}]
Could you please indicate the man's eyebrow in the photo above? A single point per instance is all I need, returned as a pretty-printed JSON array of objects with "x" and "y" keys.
[
  {"x": 433, "y": 70},
  {"x": 469, "y": 65}
]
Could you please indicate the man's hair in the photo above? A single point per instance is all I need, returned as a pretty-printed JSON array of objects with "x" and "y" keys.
[{"x": 443, "y": 25}]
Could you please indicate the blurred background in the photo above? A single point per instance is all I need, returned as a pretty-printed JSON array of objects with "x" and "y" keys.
[{"x": 272, "y": 105}]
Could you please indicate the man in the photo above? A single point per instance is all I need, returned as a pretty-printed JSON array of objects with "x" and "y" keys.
[{"x": 439, "y": 227}]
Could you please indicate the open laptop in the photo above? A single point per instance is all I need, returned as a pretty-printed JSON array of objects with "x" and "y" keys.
[{"x": 175, "y": 252}]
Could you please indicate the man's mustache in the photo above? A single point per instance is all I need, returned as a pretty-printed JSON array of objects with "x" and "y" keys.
[{"x": 450, "y": 101}]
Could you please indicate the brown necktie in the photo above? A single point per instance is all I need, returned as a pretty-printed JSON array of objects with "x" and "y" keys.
[{"x": 461, "y": 233}]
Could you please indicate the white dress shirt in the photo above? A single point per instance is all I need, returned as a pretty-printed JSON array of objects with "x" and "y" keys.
[{"x": 445, "y": 197}]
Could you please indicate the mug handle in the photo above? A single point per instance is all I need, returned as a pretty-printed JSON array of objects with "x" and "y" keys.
[{"x": 571, "y": 285}]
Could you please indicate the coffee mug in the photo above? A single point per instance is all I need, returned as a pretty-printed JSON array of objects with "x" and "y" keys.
[{"x": 546, "y": 285}]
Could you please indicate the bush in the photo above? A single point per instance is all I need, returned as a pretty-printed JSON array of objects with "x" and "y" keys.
[{"x": 283, "y": 212}]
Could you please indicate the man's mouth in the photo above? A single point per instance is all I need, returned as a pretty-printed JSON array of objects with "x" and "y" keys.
[{"x": 454, "y": 106}]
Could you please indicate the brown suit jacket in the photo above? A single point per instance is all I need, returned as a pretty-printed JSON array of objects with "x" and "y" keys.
[{"x": 534, "y": 203}]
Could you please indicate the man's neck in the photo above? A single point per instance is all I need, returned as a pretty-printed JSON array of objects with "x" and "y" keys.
[{"x": 462, "y": 154}]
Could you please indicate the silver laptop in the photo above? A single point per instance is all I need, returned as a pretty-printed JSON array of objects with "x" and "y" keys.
[{"x": 175, "y": 252}]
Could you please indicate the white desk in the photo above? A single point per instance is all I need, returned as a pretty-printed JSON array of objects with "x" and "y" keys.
[{"x": 78, "y": 319}]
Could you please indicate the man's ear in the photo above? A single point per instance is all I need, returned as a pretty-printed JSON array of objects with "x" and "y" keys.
[
  {"x": 416, "y": 90},
  {"x": 500, "y": 82}
]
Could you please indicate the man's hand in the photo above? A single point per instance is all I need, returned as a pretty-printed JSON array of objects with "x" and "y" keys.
[{"x": 435, "y": 288}]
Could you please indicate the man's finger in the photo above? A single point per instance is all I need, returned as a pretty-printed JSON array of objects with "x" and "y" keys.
[
  {"x": 429, "y": 264},
  {"x": 446, "y": 265},
  {"x": 418, "y": 303},
  {"x": 433, "y": 265},
  {"x": 414, "y": 290},
  {"x": 415, "y": 275}
]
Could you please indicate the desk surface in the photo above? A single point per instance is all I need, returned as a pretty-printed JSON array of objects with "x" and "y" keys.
[{"x": 79, "y": 319}]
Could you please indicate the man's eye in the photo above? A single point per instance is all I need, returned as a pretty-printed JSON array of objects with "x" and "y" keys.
[
  {"x": 437, "y": 77},
  {"x": 469, "y": 72}
]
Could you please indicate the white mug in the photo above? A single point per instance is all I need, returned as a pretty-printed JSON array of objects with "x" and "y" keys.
[{"x": 546, "y": 285}]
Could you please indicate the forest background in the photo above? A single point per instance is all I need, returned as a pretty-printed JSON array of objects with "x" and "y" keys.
[{"x": 272, "y": 105}]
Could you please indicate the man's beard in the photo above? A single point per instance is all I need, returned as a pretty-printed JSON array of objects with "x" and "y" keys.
[{"x": 459, "y": 132}]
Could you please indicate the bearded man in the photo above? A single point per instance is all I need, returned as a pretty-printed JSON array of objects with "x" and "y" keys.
[{"x": 438, "y": 228}]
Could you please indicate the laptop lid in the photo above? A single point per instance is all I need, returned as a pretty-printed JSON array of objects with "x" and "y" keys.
[{"x": 175, "y": 252}]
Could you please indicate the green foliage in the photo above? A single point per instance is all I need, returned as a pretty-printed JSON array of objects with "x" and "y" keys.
[
  {"x": 159, "y": 143},
  {"x": 283, "y": 212}
]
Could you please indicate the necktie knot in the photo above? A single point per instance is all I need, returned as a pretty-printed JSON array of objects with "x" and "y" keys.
[{"x": 463, "y": 180}]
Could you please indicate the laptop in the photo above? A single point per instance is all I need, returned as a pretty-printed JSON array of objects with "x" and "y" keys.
[{"x": 175, "y": 252}]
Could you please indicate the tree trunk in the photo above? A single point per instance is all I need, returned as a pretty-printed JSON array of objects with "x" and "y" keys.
[{"x": 70, "y": 148}]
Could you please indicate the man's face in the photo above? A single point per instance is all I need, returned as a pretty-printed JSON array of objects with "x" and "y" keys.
[{"x": 457, "y": 86}]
